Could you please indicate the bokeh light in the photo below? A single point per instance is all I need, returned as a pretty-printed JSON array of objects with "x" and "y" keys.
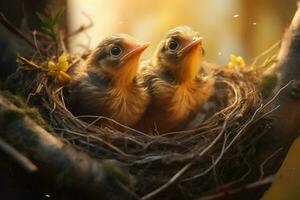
[{"x": 242, "y": 27}]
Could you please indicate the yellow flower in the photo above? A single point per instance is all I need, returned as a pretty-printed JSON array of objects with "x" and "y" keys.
[
  {"x": 236, "y": 62},
  {"x": 63, "y": 63},
  {"x": 230, "y": 65},
  {"x": 51, "y": 67},
  {"x": 58, "y": 71}
]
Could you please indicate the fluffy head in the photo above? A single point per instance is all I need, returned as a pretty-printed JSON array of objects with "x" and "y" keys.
[
  {"x": 116, "y": 57},
  {"x": 180, "y": 53}
]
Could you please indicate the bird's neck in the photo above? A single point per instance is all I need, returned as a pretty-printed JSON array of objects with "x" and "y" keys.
[
  {"x": 120, "y": 78},
  {"x": 125, "y": 76},
  {"x": 187, "y": 69},
  {"x": 123, "y": 80},
  {"x": 116, "y": 81}
]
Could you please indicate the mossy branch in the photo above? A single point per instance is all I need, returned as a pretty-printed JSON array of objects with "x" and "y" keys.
[
  {"x": 58, "y": 162},
  {"x": 287, "y": 117},
  {"x": 284, "y": 127}
]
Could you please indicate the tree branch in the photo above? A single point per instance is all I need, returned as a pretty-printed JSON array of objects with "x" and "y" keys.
[
  {"x": 288, "y": 115},
  {"x": 59, "y": 163}
]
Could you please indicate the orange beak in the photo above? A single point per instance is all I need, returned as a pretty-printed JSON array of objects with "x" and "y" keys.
[
  {"x": 135, "y": 52},
  {"x": 191, "y": 45},
  {"x": 190, "y": 60},
  {"x": 130, "y": 63}
]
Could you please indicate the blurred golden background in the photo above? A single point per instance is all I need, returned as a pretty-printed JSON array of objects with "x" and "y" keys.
[{"x": 242, "y": 27}]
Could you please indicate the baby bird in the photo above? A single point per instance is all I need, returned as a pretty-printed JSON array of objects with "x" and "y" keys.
[
  {"x": 175, "y": 83},
  {"x": 107, "y": 84}
]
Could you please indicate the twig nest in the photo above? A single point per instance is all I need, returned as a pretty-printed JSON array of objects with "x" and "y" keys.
[{"x": 188, "y": 162}]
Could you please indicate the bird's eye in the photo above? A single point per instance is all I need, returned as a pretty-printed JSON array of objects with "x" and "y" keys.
[
  {"x": 116, "y": 51},
  {"x": 173, "y": 45}
]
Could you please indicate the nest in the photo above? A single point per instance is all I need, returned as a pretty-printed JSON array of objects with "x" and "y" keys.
[{"x": 194, "y": 162}]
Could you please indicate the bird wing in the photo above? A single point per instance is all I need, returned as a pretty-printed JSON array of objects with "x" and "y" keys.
[{"x": 87, "y": 95}]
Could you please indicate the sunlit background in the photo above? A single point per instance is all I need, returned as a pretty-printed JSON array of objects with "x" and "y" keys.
[{"x": 242, "y": 27}]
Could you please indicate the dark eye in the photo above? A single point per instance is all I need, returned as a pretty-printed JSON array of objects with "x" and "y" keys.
[
  {"x": 116, "y": 51},
  {"x": 173, "y": 45}
]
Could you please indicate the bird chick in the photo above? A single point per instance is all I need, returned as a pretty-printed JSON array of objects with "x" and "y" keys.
[
  {"x": 175, "y": 82},
  {"x": 108, "y": 84}
]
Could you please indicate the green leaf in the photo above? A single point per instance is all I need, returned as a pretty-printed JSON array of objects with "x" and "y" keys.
[
  {"x": 269, "y": 61},
  {"x": 58, "y": 16},
  {"x": 19, "y": 60},
  {"x": 50, "y": 22},
  {"x": 49, "y": 32},
  {"x": 50, "y": 17},
  {"x": 44, "y": 20}
]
